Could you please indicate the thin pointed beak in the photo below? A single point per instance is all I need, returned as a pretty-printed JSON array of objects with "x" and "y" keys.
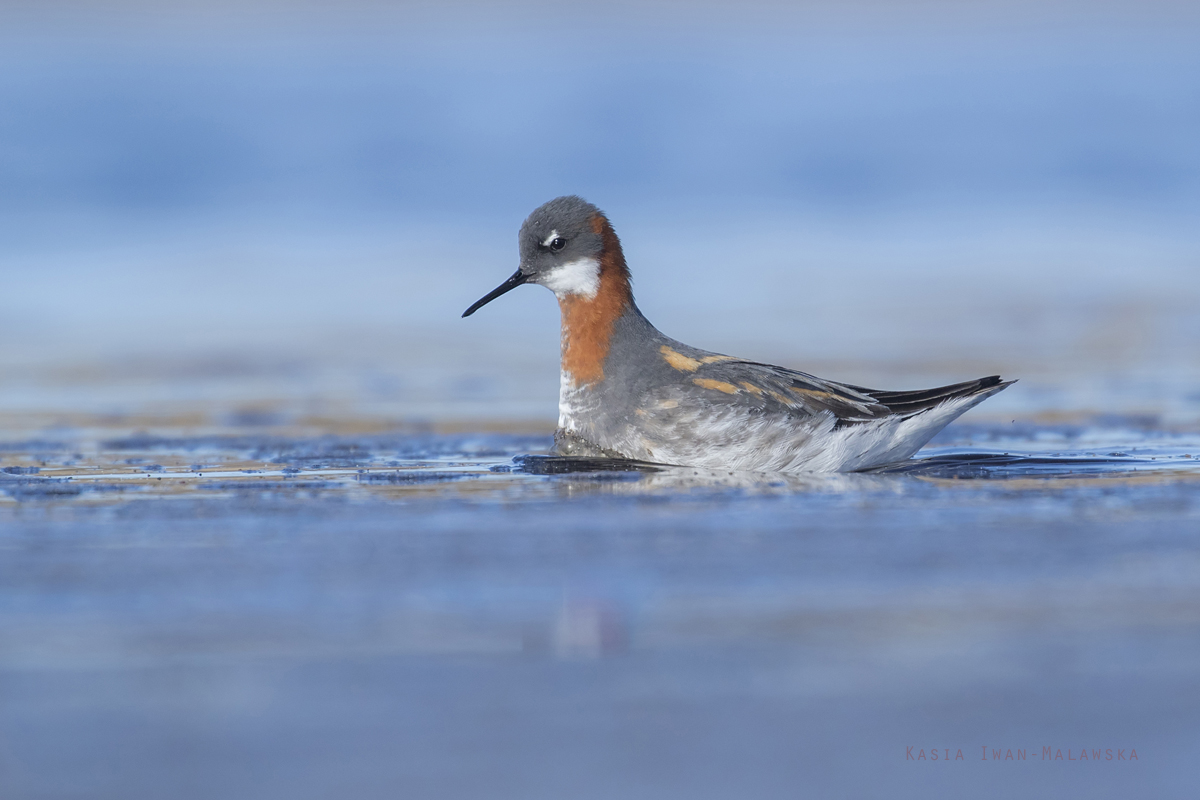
[{"x": 513, "y": 282}]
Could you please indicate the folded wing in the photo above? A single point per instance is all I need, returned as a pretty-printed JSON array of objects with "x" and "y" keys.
[{"x": 797, "y": 393}]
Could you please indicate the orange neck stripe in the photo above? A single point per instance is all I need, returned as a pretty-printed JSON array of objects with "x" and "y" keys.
[{"x": 587, "y": 325}]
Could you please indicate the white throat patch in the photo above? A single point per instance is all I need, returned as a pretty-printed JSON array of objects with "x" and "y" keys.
[{"x": 581, "y": 276}]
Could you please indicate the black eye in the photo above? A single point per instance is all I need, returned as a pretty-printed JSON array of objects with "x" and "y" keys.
[{"x": 557, "y": 244}]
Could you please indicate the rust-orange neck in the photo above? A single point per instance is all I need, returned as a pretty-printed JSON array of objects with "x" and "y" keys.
[{"x": 587, "y": 324}]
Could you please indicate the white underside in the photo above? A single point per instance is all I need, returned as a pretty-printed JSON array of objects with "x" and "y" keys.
[
  {"x": 574, "y": 403},
  {"x": 729, "y": 438}
]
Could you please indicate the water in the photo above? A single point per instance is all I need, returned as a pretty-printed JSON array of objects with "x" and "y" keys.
[
  {"x": 294, "y": 212},
  {"x": 414, "y": 612}
]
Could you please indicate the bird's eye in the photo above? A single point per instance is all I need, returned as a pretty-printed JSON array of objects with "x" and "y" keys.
[{"x": 557, "y": 244}]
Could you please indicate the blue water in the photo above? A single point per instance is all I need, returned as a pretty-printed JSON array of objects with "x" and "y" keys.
[
  {"x": 272, "y": 616},
  {"x": 136, "y": 124},
  {"x": 889, "y": 200}
]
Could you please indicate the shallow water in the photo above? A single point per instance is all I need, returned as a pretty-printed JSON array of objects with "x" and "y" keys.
[{"x": 414, "y": 613}]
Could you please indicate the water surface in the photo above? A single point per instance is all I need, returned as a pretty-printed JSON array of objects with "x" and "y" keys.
[{"x": 416, "y": 612}]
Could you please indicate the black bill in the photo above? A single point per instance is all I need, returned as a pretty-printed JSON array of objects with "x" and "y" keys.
[{"x": 516, "y": 280}]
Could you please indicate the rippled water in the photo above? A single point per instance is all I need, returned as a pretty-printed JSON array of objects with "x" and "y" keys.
[{"x": 414, "y": 613}]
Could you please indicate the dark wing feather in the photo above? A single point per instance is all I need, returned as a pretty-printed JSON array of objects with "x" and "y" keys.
[
  {"x": 768, "y": 386},
  {"x": 793, "y": 392},
  {"x": 907, "y": 403}
]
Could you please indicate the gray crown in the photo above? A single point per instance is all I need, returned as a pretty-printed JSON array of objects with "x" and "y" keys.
[{"x": 567, "y": 219}]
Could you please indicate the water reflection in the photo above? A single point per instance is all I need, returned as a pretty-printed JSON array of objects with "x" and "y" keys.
[
  {"x": 462, "y": 596},
  {"x": 402, "y": 467},
  {"x": 616, "y": 476}
]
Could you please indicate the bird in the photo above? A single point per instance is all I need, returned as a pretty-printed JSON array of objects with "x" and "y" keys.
[{"x": 628, "y": 391}]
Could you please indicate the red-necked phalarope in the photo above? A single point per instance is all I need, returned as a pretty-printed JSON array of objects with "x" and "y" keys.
[{"x": 629, "y": 391}]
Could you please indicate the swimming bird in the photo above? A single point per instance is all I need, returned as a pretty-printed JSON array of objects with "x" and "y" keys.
[{"x": 628, "y": 391}]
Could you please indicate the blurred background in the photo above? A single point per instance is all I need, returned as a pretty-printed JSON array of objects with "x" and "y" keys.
[
  {"x": 253, "y": 210},
  {"x": 262, "y": 531}
]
